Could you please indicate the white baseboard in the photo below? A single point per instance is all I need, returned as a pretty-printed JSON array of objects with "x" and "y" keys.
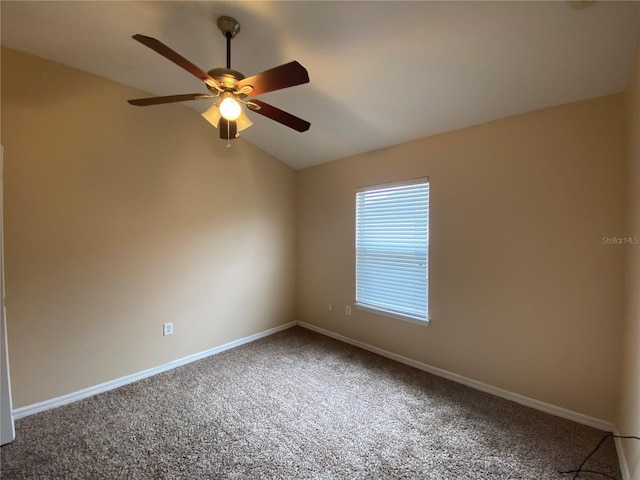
[
  {"x": 514, "y": 397},
  {"x": 521, "y": 399},
  {"x": 119, "y": 382},
  {"x": 622, "y": 458}
]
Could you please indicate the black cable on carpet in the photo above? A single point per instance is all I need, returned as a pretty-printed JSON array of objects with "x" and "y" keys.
[{"x": 582, "y": 470}]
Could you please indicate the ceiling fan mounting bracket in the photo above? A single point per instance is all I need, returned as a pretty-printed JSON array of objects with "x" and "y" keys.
[{"x": 228, "y": 25}]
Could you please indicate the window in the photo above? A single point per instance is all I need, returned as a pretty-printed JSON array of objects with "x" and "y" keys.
[{"x": 392, "y": 249}]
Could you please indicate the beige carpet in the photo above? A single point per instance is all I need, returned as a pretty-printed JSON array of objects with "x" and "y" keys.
[{"x": 299, "y": 405}]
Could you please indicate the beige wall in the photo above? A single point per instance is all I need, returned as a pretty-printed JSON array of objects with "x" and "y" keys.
[
  {"x": 629, "y": 417},
  {"x": 118, "y": 219},
  {"x": 524, "y": 295}
]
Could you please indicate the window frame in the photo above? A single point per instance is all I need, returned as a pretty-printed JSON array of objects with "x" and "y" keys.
[{"x": 405, "y": 316}]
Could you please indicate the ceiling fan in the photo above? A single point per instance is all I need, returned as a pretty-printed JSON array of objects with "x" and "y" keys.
[{"x": 232, "y": 87}]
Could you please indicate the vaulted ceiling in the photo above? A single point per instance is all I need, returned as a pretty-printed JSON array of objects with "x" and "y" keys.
[{"x": 382, "y": 73}]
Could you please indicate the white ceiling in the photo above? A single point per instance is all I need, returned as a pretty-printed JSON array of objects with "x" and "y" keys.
[{"x": 382, "y": 73}]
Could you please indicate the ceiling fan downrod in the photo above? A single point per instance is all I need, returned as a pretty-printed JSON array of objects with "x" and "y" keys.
[{"x": 229, "y": 28}]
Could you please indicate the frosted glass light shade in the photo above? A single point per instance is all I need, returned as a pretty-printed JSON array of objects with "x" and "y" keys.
[
  {"x": 243, "y": 122},
  {"x": 212, "y": 115}
]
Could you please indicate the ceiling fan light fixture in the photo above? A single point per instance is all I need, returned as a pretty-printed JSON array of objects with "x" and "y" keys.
[
  {"x": 213, "y": 116},
  {"x": 230, "y": 107}
]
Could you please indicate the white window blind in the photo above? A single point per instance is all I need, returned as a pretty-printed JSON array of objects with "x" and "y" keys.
[{"x": 392, "y": 248}]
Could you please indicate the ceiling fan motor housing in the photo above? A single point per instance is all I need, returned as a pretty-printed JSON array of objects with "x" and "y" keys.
[{"x": 227, "y": 77}]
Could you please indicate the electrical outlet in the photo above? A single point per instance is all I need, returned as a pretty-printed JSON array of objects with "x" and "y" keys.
[
  {"x": 331, "y": 306},
  {"x": 167, "y": 328},
  {"x": 348, "y": 310}
]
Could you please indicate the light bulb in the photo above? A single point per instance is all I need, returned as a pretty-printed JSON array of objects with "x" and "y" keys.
[{"x": 230, "y": 109}]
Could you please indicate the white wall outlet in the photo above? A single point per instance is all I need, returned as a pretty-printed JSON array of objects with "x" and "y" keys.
[
  {"x": 167, "y": 328},
  {"x": 348, "y": 310},
  {"x": 331, "y": 306}
]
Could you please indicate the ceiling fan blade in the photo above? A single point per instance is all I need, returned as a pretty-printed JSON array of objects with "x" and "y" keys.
[
  {"x": 143, "y": 102},
  {"x": 281, "y": 116},
  {"x": 287, "y": 75},
  {"x": 176, "y": 58},
  {"x": 228, "y": 129}
]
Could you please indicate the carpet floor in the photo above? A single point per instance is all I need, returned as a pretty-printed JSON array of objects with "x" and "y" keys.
[{"x": 299, "y": 405}]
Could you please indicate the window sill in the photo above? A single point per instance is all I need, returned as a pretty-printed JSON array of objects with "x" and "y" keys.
[{"x": 397, "y": 316}]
